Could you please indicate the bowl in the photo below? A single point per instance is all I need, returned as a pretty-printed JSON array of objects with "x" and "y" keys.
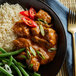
[{"x": 52, "y": 68}]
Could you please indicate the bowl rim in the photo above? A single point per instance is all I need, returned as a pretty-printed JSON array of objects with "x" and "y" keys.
[
  {"x": 63, "y": 31},
  {"x": 62, "y": 28}
]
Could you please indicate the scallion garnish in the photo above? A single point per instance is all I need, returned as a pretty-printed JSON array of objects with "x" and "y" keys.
[
  {"x": 42, "y": 20},
  {"x": 28, "y": 54},
  {"x": 30, "y": 66},
  {"x": 50, "y": 25},
  {"x": 8, "y": 69},
  {"x": 23, "y": 56},
  {"x": 32, "y": 51},
  {"x": 42, "y": 30},
  {"x": 40, "y": 55},
  {"x": 51, "y": 49}
]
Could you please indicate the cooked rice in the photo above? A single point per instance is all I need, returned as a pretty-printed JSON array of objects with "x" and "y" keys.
[{"x": 9, "y": 15}]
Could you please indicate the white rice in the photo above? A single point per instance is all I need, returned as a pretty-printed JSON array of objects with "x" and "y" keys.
[{"x": 9, "y": 15}]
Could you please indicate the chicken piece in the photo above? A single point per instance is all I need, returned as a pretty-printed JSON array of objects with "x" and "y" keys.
[
  {"x": 51, "y": 35},
  {"x": 21, "y": 29},
  {"x": 51, "y": 55},
  {"x": 35, "y": 31},
  {"x": 43, "y": 15},
  {"x": 43, "y": 52},
  {"x": 22, "y": 43},
  {"x": 35, "y": 62},
  {"x": 41, "y": 42}
]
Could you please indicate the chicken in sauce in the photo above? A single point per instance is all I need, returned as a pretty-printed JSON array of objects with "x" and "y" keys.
[{"x": 36, "y": 44}]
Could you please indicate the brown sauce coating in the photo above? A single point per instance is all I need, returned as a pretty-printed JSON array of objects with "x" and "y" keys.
[{"x": 28, "y": 36}]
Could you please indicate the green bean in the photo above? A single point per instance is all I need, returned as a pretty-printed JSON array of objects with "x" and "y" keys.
[
  {"x": 10, "y": 61},
  {"x": 12, "y": 53},
  {"x": 1, "y": 63},
  {"x": 5, "y": 72},
  {"x": 23, "y": 71},
  {"x": 13, "y": 65},
  {"x": 35, "y": 74},
  {"x": 18, "y": 71},
  {"x": 2, "y": 50},
  {"x": 2, "y": 74}
]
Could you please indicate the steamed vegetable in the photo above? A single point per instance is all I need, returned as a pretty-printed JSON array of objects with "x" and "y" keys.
[
  {"x": 17, "y": 70},
  {"x": 10, "y": 61},
  {"x": 52, "y": 49},
  {"x": 16, "y": 63},
  {"x": 12, "y": 53},
  {"x": 32, "y": 51},
  {"x": 42, "y": 30},
  {"x": 42, "y": 20},
  {"x": 28, "y": 54},
  {"x": 5, "y": 72},
  {"x": 40, "y": 55}
]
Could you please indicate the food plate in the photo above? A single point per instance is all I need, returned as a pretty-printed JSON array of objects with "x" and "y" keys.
[{"x": 53, "y": 67}]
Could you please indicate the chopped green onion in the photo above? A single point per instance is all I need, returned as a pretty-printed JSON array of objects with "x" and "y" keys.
[
  {"x": 42, "y": 20},
  {"x": 23, "y": 56},
  {"x": 30, "y": 66},
  {"x": 50, "y": 25},
  {"x": 28, "y": 54},
  {"x": 40, "y": 55},
  {"x": 52, "y": 49},
  {"x": 42, "y": 30},
  {"x": 7, "y": 68},
  {"x": 39, "y": 19},
  {"x": 12, "y": 53},
  {"x": 32, "y": 51}
]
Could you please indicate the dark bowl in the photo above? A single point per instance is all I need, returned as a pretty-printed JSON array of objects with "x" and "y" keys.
[{"x": 53, "y": 67}]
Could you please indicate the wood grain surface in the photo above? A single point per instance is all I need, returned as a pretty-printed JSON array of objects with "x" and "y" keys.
[{"x": 68, "y": 4}]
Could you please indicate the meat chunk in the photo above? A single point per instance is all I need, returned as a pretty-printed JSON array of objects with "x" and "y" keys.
[
  {"x": 22, "y": 43},
  {"x": 51, "y": 55},
  {"x": 35, "y": 31},
  {"x": 41, "y": 42},
  {"x": 44, "y": 53},
  {"x": 44, "y": 15},
  {"x": 51, "y": 35},
  {"x": 36, "y": 45},
  {"x": 35, "y": 63},
  {"x": 21, "y": 29}
]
